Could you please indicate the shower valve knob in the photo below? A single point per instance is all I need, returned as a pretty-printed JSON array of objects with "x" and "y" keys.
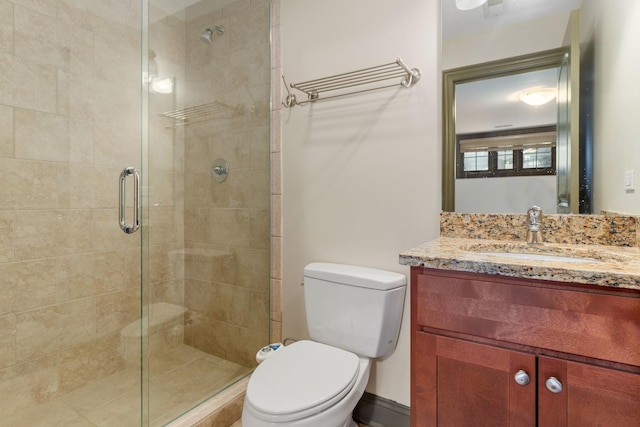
[{"x": 220, "y": 170}]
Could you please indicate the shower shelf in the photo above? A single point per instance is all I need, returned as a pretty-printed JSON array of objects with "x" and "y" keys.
[
  {"x": 365, "y": 80},
  {"x": 200, "y": 113}
]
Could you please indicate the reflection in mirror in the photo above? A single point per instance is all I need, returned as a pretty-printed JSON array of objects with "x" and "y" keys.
[
  {"x": 506, "y": 136},
  {"x": 504, "y": 149},
  {"x": 602, "y": 38}
]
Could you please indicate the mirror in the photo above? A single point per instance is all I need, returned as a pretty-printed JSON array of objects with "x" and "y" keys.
[
  {"x": 485, "y": 100},
  {"x": 503, "y": 37}
]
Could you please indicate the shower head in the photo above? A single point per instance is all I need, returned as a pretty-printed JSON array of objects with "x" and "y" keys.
[{"x": 207, "y": 36}]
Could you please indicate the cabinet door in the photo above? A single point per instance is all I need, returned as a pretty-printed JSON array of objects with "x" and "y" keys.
[
  {"x": 459, "y": 383},
  {"x": 590, "y": 396}
]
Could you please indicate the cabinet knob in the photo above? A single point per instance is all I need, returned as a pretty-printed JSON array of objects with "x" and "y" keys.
[
  {"x": 521, "y": 377},
  {"x": 553, "y": 385}
]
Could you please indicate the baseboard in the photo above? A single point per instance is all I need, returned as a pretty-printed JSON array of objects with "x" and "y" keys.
[{"x": 376, "y": 411}]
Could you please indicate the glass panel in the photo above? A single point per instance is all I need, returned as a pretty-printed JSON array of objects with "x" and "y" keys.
[
  {"x": 70, "y": 120},
  {"x": 92, "y": 318},
  {"x": 477, "y": 161},
  {"x": 505, "y": 160},
  {"x": 209, "y": 80}
]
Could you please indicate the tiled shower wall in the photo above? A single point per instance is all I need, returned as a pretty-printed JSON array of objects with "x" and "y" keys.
[
  {"x": 69, "y": 116},
  {"x": 227, "y": 225},
  {"x": 69, "y": 113}
]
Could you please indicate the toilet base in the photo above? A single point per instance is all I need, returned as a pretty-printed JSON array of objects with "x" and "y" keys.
[{"x": 248, "y": 420}]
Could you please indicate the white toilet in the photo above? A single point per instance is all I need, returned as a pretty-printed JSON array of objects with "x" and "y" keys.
[{"x": 353, "y": 315}]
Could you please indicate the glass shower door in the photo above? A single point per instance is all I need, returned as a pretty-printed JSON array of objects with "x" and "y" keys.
[
  {"x": 206, "y": 198},
  {"x": 100, "y": 327},
  {"x": 70, "y": 282}
]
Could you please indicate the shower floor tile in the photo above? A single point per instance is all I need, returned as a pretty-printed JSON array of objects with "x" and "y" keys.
[{"x": 180, "y": 378}]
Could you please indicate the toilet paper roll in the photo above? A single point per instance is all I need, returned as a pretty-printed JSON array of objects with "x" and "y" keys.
[{"x": 267, "y": 351}]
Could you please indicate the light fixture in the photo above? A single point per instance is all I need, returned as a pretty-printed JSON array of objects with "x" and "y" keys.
[
  {"x": 538, "y": 96},
  {"x": 469, "y": 4},
  {"x": 151, "y": 77},
  {"x": 159, "y": 85}
]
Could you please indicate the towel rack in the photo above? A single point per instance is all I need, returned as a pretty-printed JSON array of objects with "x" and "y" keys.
[
  {"x": 200, "y": 113},
  {"x": 337, "y": 85}
]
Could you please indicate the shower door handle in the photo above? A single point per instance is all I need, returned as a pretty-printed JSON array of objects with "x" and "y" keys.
[{"x": 130, "y": 228}]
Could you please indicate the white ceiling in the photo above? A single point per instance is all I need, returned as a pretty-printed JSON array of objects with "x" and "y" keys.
[
  {"x": 457, "y": 23},
  {"x": 490, "y": 105},
  {"x": 494, "y": 104}
]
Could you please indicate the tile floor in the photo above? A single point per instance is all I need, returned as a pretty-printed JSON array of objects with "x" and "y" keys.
[{"x": 180, "y": 378}]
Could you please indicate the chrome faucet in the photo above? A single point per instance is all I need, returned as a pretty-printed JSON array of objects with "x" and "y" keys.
[{"x": 534, "y": 219}]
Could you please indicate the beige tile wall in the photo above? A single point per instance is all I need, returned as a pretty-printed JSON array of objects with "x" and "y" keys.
[
  {"x": 69, "y": 115},
  {"x": 227, "y": 225},
  {"x": 276, "y": 174}
]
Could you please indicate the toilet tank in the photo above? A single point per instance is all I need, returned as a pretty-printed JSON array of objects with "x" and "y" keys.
[{"x": 358, "y": 309}]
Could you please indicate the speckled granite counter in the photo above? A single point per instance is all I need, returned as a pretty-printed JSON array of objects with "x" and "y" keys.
[
  {"x": 607, "y": 247},
  {"x": 611, "y": 266}
]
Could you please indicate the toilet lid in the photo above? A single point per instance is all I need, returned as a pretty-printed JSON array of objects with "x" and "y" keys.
[{"x": 301, "y": 379}]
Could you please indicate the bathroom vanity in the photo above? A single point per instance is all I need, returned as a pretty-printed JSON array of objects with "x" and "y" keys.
[{"x": 508, "y": 341}]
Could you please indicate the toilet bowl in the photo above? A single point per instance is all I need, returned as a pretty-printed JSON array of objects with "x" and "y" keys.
[
  {"x": 306, "y": 384},
  {"x": 353, "y": 316}
]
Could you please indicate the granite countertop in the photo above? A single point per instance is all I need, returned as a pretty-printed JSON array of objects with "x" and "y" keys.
[{"x": 611, "y": 266}]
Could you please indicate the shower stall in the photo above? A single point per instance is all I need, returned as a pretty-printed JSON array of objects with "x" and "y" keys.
[{"x": 113, "y": 115}]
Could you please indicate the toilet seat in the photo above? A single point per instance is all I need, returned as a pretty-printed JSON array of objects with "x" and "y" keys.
[{"x": 300, "y": 380}]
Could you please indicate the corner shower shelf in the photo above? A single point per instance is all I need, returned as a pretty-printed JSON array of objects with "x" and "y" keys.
[
  {"x": 364, "y": 79},
  {"x": 200, "y": 113}
]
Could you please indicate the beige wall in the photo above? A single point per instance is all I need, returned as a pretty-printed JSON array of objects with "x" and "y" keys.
[
  {"x": 516, "y": 194},
  {"x": 361, "y": 175},
  {"x": 613, "y": 27}
]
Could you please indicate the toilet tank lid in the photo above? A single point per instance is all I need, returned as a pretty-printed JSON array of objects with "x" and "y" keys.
[{"x": 354, "y": 275}]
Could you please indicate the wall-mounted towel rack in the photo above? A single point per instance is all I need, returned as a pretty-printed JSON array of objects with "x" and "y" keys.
[
  {"x": 365, "y": 79},
  {"x": 200, "y": 113}
]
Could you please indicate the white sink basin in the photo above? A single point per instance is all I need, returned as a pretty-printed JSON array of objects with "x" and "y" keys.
[
  {"x": 538, "y": 257},
  {"x": 545, "y": 252}
]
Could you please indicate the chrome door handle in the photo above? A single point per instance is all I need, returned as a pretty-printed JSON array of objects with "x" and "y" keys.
[
  {"x": 553, "y": 385},
  {"x": 522, "y": 378},
  {"x": 130, "y": 228}
]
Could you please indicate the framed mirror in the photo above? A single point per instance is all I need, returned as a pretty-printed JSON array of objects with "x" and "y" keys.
[
  {"x": 602, "y": 39},
  {"x": 481, "y": 106}
]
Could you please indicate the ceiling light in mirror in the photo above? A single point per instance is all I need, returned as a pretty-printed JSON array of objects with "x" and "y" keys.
[
  {"x": 538, "y": 96},
  {"x": 469, "y": 4}
]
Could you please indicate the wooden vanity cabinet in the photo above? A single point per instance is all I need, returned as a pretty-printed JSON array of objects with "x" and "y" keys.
[{"x": 474, "y": 334}]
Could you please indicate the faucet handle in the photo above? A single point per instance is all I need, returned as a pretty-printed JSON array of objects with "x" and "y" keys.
[{"x": 534, "y": 215}]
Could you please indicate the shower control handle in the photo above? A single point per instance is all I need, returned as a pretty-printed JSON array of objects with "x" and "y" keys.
[{"x": 130, "y": 228}]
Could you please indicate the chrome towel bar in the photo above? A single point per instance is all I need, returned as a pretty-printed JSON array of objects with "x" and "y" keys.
[{"x": 365, "y": 79}]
